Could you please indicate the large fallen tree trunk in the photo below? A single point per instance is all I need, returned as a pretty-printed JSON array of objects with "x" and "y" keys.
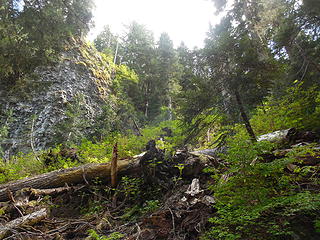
[
  {"x": 71, "y": 176},
  {"x": 150, "y": 165}
]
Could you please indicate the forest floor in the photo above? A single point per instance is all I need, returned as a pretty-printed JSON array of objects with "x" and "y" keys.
[{"x": 167, "y": 199}]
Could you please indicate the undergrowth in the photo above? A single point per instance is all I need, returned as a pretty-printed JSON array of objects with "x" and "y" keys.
[
  {"x": 261, "y": 199},
  {"x": 129, "y": 144},
  {"x": 299, "y": 108}
]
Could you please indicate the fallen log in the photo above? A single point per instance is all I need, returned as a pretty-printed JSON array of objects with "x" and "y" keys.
[
  {"x": 70, "y": 176},
  {"x": 138, "y": 166},
  {"x": 291, "y": 136},
  {"x": 276, "y": 136},
  {"x": 29, "y": 219}
]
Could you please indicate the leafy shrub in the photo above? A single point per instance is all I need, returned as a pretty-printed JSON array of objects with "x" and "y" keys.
[
  {"x": 130, "y": 144},
  {"x": 113, "y": 236},
  {"x": 20, "y": 166},
  {"x": 25, "y": 165},
  {"x": 151, "y": 206},
  {"x": 130, "y": 187},
  {"x": 298, "y": 108},
  {"x": 259, "y": 199}
]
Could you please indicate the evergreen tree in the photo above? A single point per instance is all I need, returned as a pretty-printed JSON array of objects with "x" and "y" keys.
[
  {"x": 139, "y": 54},
  {"x": 167, "y": 63},
  {"x": 106, "y": 41},
  {"x": 33, "y": 33}
]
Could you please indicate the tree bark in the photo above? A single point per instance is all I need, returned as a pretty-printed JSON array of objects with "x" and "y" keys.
[
  {"x": 85, "y": 173},
  {"x": 114, "y": 166},
  {"x": 136, "y": 126},
  {"x": 244, "y": 117},
  {"x": 25, "y": 220},
  {"x": 71, "y": 176}
]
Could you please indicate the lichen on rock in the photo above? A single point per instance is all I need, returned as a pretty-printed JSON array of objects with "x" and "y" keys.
[{"x": 41, "y": 102}]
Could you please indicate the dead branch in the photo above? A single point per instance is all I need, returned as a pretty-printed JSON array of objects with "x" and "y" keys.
[
  {"x": 114, "y": 166},
  {"x": 29, "y": 219}
]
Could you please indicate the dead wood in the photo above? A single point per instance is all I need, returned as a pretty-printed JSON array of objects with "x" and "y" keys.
[
  {"x": 70, "y": 176},
  {"x": 29, "y": 219},
  {"x": 137, "y": 166},
  {"x": 48, "y": 192},
  {"x": 114, "y": 167},
  {"x": 291, "y": 136}
]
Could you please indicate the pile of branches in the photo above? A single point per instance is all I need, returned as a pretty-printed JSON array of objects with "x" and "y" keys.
[{"x": 52, "y": 205}]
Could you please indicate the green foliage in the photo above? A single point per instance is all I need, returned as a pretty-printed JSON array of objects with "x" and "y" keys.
[
  {"x": 151, "y": 206},
  {"x": 25, "y": 165},
  {"x": 259, "y": 199},
  {"x": 130, "y": 187},
  {"x": 130, "y": 144},
  {"x": 317, "y": 225},
  {"x": 113, "y": 236},
  {"x": 106, "y": 41},
  {"x": 180, "y": 167},
  {"x": 138, "y": 54},
  {"x": 207, "y": 129},
  {"x": 94, "y": 207},
  {"x": 153, "y": 64},
  {"x": 34, "y": 33},
  {"x": 123, "y": 85},
  {"x": 298, "y": 108},
  {"x": 5, "y": 120},
  {"x": 275, "y": 219},
  {"x": 141, "y": 197},
  {"x": 134, "y": 212},
  {"x": 61, "y": 163},
  {"x": 20, "y": 166}
]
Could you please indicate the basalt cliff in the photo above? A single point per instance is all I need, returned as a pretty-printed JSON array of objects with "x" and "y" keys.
[{"x": 55, "y": 103}]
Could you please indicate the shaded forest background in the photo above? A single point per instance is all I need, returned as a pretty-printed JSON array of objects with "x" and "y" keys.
[
  {"x": 258, "y": 51},
  {"x": 258, "y": 72}
]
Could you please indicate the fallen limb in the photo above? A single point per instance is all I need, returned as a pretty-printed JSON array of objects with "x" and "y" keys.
[
  {"x": 29, "y": 219},
  {"x": 51, "y": 191}
]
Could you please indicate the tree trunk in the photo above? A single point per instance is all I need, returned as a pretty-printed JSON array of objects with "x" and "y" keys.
[
  {"x": 244, "y": 117},
  {"x": 170, "y": 108},
  {"x": 128, "y": 167},
  {"x": 71, "y": 176}
]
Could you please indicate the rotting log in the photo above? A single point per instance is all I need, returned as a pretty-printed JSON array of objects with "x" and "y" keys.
[
  {"x": 71, "y": 176},
  {"x": 135, "y": 166},
  {"x": 291, "y": 136},
  {"x": 29, "y": 219}
]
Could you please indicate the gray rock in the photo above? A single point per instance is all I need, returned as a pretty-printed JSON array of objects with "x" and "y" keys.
[{"x": 43, "y": 100}]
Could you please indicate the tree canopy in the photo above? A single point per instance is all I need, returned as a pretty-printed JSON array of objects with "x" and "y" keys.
[{"x": 33, "y": 33}]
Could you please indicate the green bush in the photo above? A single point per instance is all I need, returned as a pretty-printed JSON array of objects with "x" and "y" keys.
[
  {"x": 113, "y": 236},
  {"x": 130, "y": 144},
  {"x": 259, "y": 199},
  {"x": 20, "y": 166},
  {"x": 25, "y": 165},
  {"x": 299, "y": 108}
]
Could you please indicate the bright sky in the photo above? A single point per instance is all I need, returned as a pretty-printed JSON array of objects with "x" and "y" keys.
[{"x": 183, "y": 20}]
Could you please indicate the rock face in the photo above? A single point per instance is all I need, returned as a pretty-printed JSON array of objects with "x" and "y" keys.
[{"x": 73, "y": 90}]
